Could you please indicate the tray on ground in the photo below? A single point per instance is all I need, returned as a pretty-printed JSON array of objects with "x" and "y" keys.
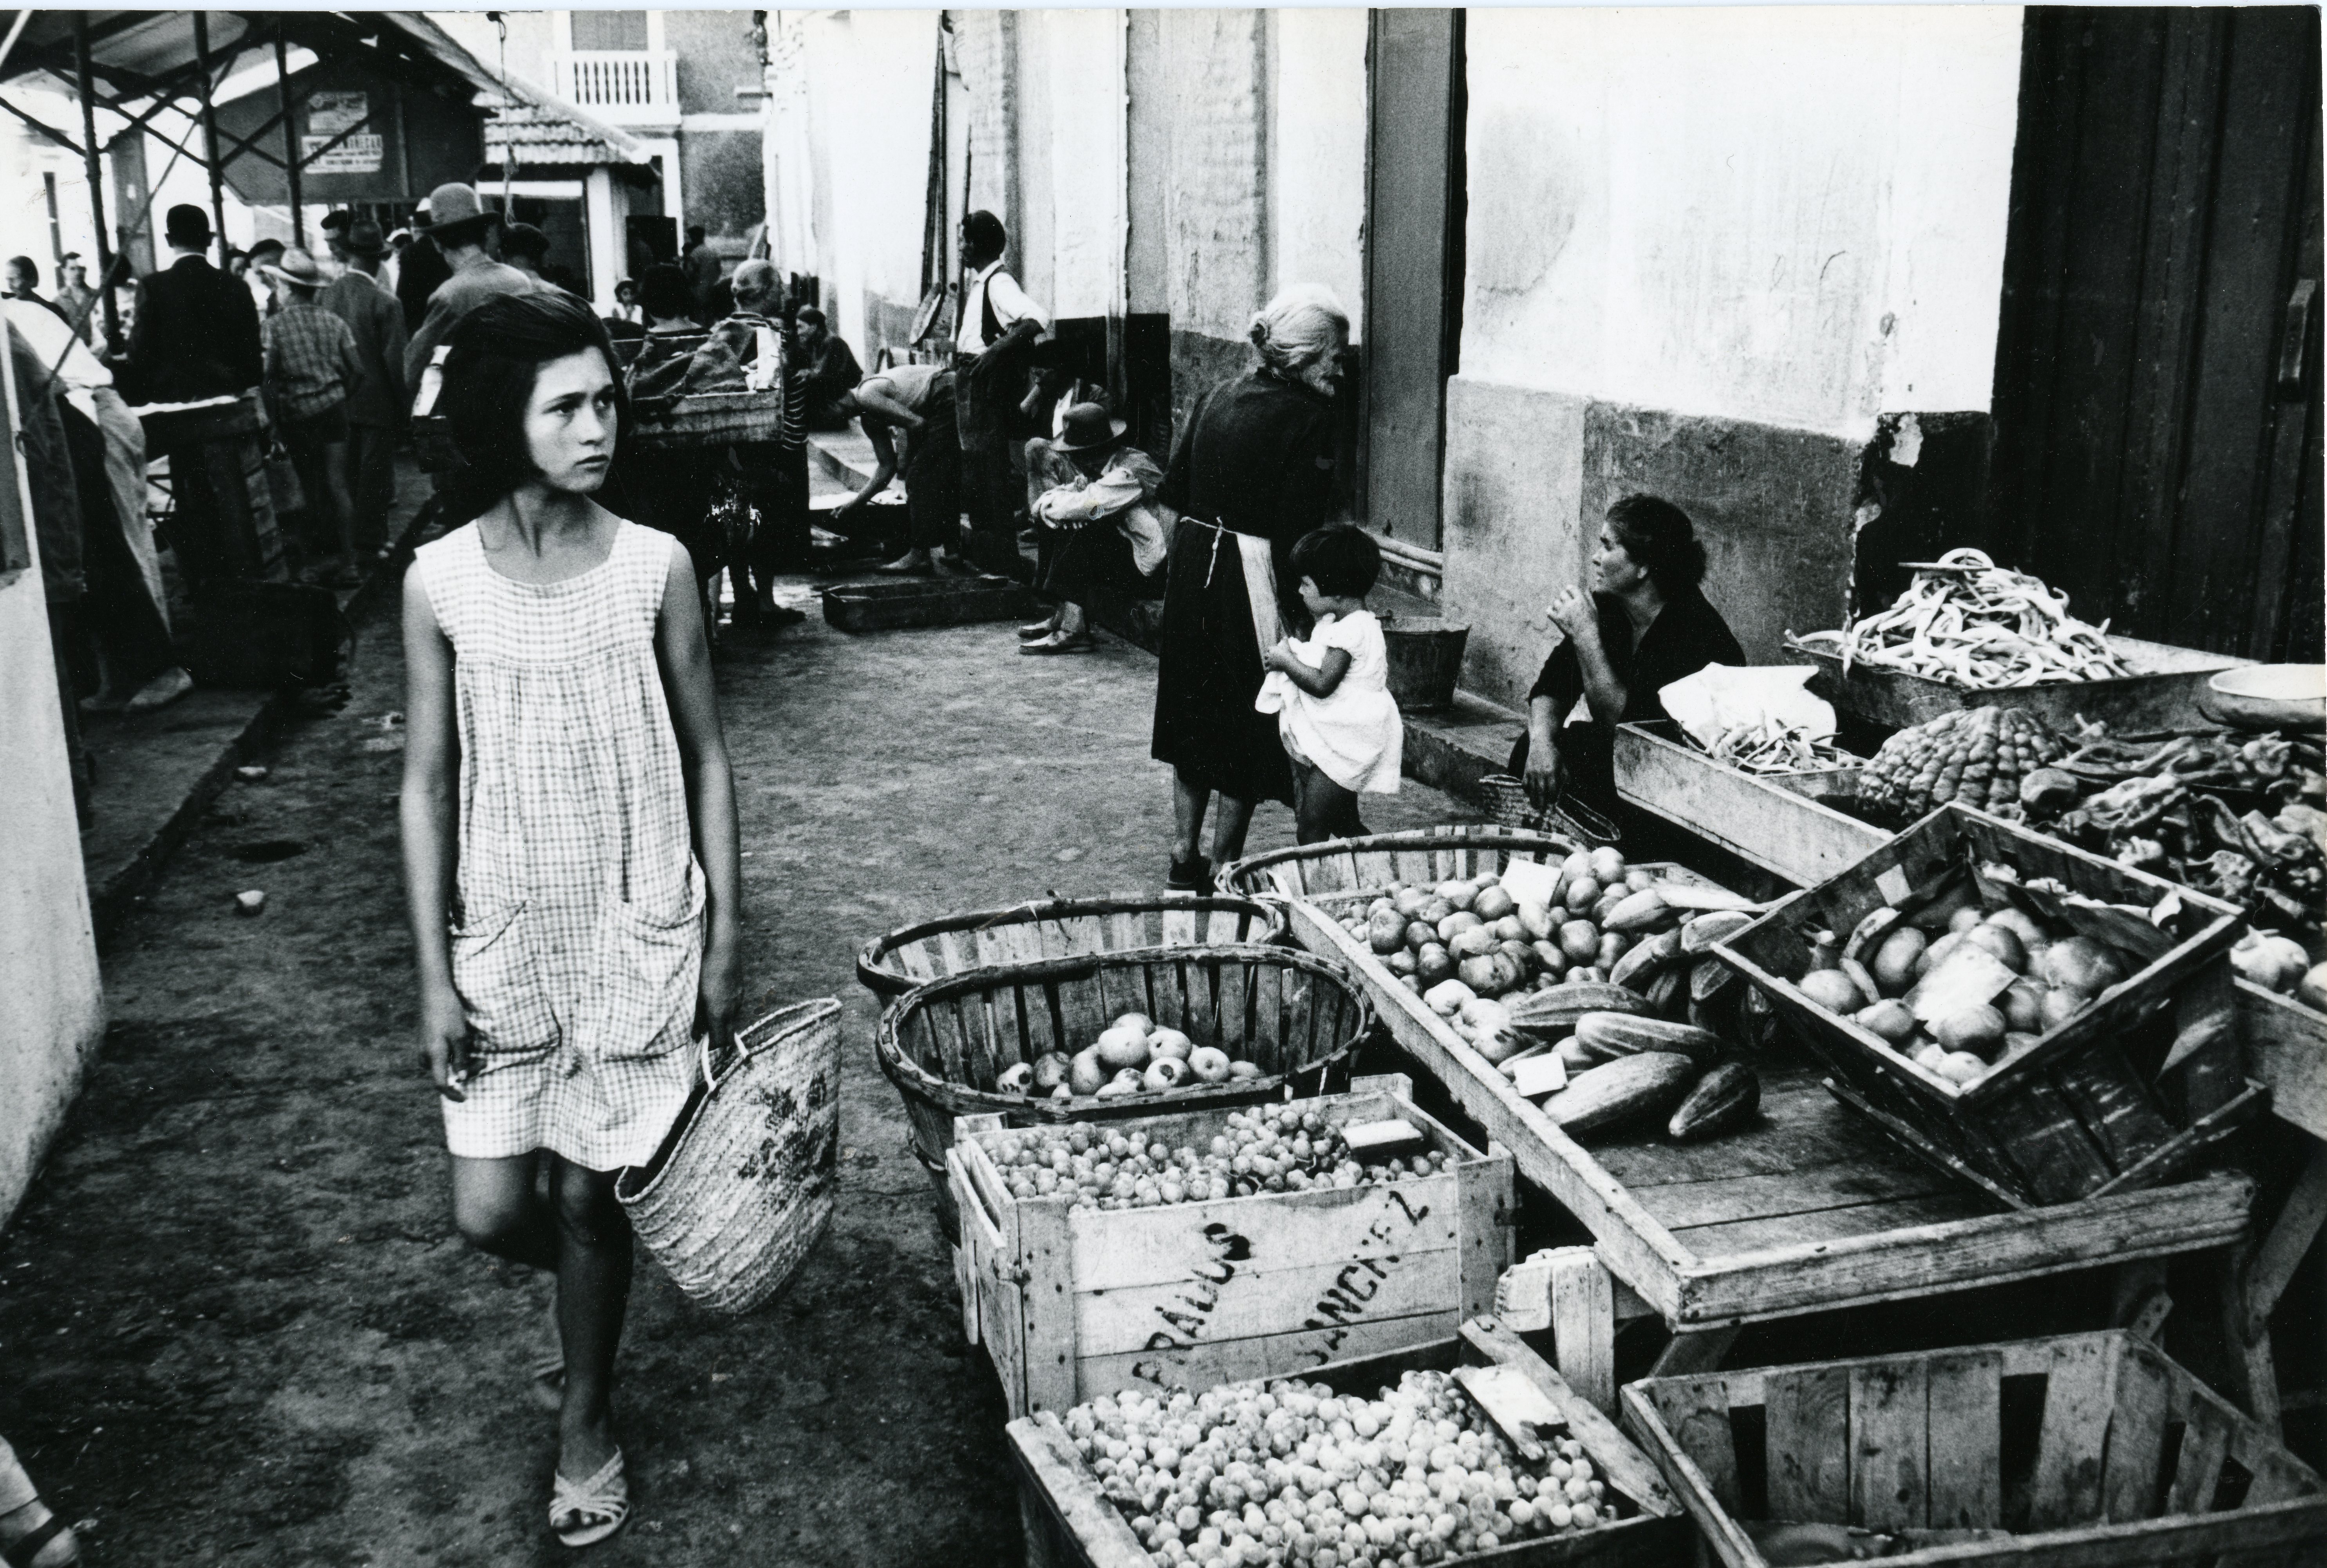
[
  {"x": 1780, "y": 822},
  {"x": 1809, "y": 1210},
  {"x": 924, "y": 602}
]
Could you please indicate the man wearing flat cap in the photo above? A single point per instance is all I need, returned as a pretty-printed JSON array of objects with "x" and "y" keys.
[
  {"x": 460, "y": 228},
  {"x": 381, "y": 399}
]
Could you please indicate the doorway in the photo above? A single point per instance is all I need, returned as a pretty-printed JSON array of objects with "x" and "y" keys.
[
  {"x": 1414, "y": 209},
  {"x": 2157, "y": 385}
]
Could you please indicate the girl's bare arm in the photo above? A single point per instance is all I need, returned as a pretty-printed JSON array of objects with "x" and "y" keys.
[
  {"x": 432, "y": 763},
  {"x": 1322, "y": 680},
  {"x": 685, "y": 656}
]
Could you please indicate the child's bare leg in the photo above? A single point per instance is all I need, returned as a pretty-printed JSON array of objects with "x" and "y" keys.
[
  {"x": 497, "y": 1211},
  {"x": 594, "y": 1289}
]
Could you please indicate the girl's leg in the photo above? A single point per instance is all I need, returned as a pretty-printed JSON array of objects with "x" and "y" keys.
[
  {"x": 1188, "y": 802},
  {"x": 498, "y": 1211},
  {"x": 594, "y": 1289}
]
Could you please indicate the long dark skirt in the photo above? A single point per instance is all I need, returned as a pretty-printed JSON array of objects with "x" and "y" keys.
[{"x": 1209, "y": 673}]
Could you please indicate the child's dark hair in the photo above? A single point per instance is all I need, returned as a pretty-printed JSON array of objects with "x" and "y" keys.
[
  {"x": 1343, "y": 561},
  {"x": 497, "y": 352}
]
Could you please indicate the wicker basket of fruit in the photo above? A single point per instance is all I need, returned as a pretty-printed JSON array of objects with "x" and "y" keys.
[
  {"x": 2051, "y": 1024},
  {"x": 915, "y": 954},
  {"x": 1109, "y": 1035},
  {"x": 1353, "y": 865}
]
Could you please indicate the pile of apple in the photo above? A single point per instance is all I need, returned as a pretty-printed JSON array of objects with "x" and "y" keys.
[
  {"x": 1958, "y": 990},
  {"x": 1135, "y": 1055},
  {"x": 1278, "y": 1148},
  {"x": 1476, "y": 931},
  {"x": 1289, "y": 1473}
]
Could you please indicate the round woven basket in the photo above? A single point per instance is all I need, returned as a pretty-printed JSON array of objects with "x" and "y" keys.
[
  {"x": 1355, "y": 865},
  {"x": 1295, "y": 1016},
  {"x": 916, "y": 955},
  {"x": 743, "y": 1185},
  {"x": 1507, "y": 802}
]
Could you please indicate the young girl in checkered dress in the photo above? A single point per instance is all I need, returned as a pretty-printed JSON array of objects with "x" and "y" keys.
[{"x": 569, "y": 833}]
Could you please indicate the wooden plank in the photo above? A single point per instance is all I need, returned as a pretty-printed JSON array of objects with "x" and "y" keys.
[
  {"x": 1047, "y": 1304},
  {"x": 1515, "y": 1402},
  {"x": 2197, "y": 1469},
  {"x": 1181, "y": 925},
  {"x": 1486, "y": 1193},
  {"x": 1806, "y": 1426},
  {"x": 2290, "y": 1238},
  {"x": 913, "y": 959},
  {"x": 1690, "y": 1483},
  {"x": 1889, "y": 1457},
  {"x": 1295, "y": 1353},
  {"x": 2066, "y": 1489},
  {"x": 1817, "y": 1191},
  {"x": 1967, "y": 1441},
  {"x": 1117, "y": 1249},
  {"x": 1583, "y": 1323},
  {"x": 1056, "y": 1473},
  {"x": 2287, "y": 1048},
  {"x": 1627, "y": 1470},
  {"x": 1787, "y": 831},
  {"x": 1245, "y": 1298},
  {"x": 1688, "y": 1355},
  {"x": 2136, "y": 1437},
  {"x": 1695, "y": 1411},
  {"x": 1715, "y": 1244},
  {"x": 1952, "y": 1255},
  {"x": 2148, "y": 1542}
]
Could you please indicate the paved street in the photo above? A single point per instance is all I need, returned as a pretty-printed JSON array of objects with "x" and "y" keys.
[{"x": 235, "y": 1324}]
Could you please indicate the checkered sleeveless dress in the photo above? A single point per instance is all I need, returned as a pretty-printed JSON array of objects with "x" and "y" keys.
[{"x": 578, "y": 939}]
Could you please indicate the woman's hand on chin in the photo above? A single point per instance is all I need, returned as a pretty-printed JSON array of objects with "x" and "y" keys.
[{"x": 1574, "y": 613}]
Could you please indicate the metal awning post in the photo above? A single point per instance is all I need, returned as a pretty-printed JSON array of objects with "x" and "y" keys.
[
  {"x": 290, "y": 140},
  {"x": 216, "y": 161},
  {"x": 94, "y": 165}
]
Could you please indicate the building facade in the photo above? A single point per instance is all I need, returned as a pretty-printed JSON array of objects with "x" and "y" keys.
[{"x": 1777, "y": 264}]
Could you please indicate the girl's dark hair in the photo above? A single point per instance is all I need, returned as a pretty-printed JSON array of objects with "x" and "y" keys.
[
  {"x": 1343, "y": 561},
  {"x": 497, "y": 351},
  {"x": 1658, "y": 536}
]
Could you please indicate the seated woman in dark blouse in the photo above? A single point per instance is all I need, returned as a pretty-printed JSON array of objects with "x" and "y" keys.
[{"x": 1644, "y": 626}]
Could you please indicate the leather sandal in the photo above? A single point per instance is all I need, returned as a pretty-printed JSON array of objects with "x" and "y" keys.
[
  {"x": 584, "y": 1513},
  {"x": 25, "y": 1551},
  {"x": 1035, "y": 630}
]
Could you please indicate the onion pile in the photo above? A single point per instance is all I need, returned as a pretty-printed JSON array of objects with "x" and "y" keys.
[{"x": 1289, "y": 1473}]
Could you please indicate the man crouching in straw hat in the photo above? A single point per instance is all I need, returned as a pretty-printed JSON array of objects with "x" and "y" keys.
[
  {"x": 312, "y": 367},
  {"x": 1110, "y": 532}
]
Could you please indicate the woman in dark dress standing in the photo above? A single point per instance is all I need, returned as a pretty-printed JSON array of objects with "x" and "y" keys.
[
  {"x": 1253, "y": 472},
  {"x": 1644, "y": 625}
]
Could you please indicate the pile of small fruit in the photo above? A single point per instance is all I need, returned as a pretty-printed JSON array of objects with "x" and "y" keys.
[
  {"x": 1476, "y": 934},
  {"x": 1135, "y": 1055},
  {"x": 1290, "y": 1473},
  {"x": 1958, "y": 988},
  {"x": 1275, "y": 1149}
]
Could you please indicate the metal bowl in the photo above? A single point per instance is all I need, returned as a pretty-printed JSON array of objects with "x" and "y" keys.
[{"x": 2268, "y": 697}]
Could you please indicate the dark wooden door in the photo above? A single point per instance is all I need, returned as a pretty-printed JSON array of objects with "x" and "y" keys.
[
  {"x": 2157, "y": 389},
  {"x": 1413, "y": 265}
]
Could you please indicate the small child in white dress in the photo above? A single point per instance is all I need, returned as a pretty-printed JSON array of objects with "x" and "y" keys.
[{"x": 1331, "y": 691}]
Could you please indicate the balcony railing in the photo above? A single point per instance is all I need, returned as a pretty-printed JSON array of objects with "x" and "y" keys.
[{"x": 626, "y": 87}]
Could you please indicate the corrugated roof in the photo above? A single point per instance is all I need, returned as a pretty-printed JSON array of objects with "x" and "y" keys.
[{"x": 543, "y": 135}]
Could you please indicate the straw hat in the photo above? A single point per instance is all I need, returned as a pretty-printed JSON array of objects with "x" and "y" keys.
[{"x": 298, "y": 269}]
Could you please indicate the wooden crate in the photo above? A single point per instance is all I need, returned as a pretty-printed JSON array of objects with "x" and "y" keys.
[
  {"x": 1780, "y": 822},
  {"x": 1811, "y": 1209},
  {"x": 919, "y": 601},
  {"x": 914, "y": 955},
  {"x": 2094, "y": 1450},
  {"x": 1074, "y": 1303},
  {"x": 2286, "y": 1050},
  {"x": 2161, "y": 694},
  {"x": 2083, "y": 1112},
  {"x": 944, "y": 1044},
  {"x": 1071, "y": 1523}
]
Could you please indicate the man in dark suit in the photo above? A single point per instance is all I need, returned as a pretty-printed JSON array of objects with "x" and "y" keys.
[
  {"x": 196, "y": 332},
  {"x": 195, "y": 336}
]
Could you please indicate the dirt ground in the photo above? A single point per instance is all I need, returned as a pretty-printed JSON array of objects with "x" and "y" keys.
[{"x": 236, "y": 1325}]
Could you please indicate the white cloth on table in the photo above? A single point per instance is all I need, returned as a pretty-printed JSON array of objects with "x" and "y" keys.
[
  {"x": 579, "y": 940},
  {"x": 1355, "y": 736}
]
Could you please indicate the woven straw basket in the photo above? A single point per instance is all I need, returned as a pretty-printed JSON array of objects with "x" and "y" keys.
[
  {"x": 743, "y": 1185},
  {"x": 1507, "y": 802},
  {"x": 915, "y": 954}
]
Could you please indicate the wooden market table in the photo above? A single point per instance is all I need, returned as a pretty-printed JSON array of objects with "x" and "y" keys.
[{"x": 1808, "y": 1211}]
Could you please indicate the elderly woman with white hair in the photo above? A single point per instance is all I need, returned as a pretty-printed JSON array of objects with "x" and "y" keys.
[{"x": 1253, "y": 472}]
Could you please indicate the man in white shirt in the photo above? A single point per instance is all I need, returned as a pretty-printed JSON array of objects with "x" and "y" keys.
[
  {"x": 126, "y": 609},
  {"x": 998, "y": 324}
]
